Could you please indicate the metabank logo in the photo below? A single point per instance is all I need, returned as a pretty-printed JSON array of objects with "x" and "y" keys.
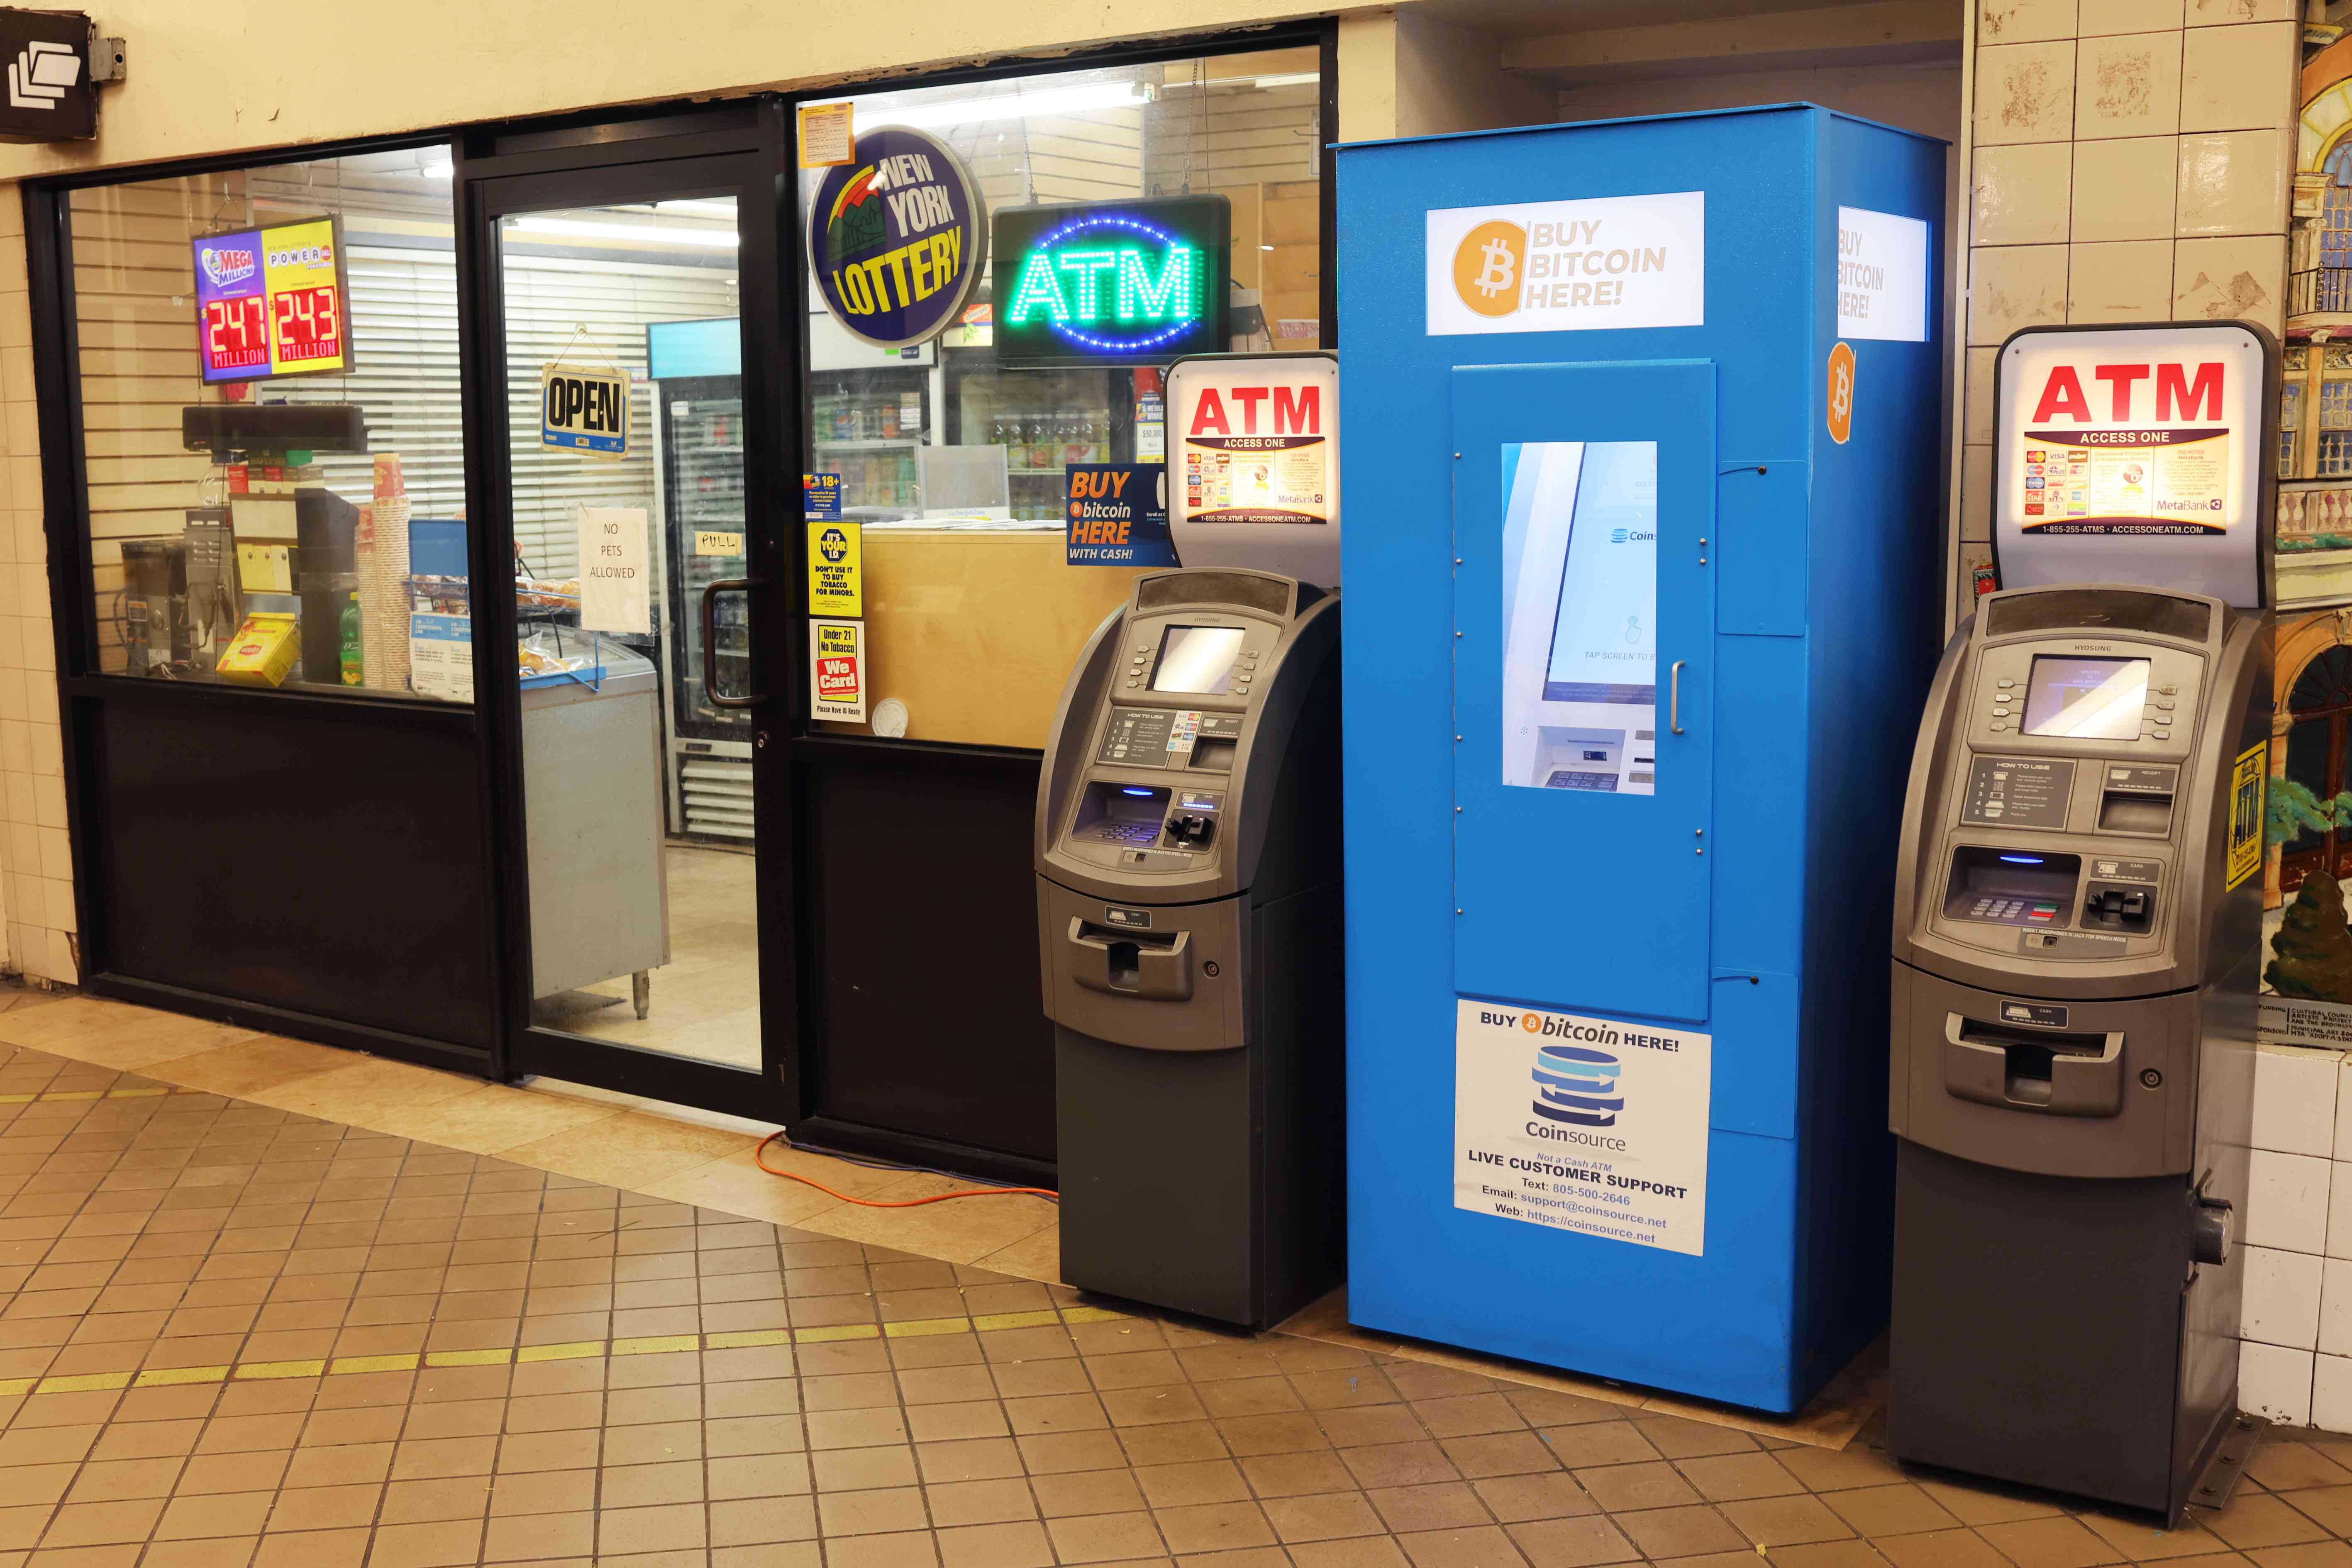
[{"x": 1577, "y": 1084}]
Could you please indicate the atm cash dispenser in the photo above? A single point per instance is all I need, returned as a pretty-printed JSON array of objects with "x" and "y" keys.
[
  {"x": 2077, "y": 941},
  {"x": 1187, "y": 903}
]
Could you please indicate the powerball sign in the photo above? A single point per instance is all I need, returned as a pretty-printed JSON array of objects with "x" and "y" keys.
[{"x": 1593, "y": 1125}]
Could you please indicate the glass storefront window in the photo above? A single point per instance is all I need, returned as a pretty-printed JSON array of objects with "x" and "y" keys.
[
  {"x": 272, "y": 410},
  {"x": 952, "y": 453}
]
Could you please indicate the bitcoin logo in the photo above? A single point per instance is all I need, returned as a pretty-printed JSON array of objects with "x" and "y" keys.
[
  {"x": 1488, "y": 266},
  {"x": 1840, "y": 392}
]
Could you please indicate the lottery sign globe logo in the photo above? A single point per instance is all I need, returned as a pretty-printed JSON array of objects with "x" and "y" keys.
[{"x": 1490, "y": 268}]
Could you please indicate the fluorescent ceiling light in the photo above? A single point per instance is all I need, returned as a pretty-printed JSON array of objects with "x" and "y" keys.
[
  {"x": 639, "y": 233},
  {"x": 698, "y": 209},
  {"x": 1012, "y": 105},
  {"x": 434, "y": 170}
]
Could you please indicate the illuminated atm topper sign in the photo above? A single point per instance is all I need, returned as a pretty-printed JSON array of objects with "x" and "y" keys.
[
  {"x": 273, "y": 301},
  {"x": 2136, "y": 455},
  {"x": 1136, "y": 282}
]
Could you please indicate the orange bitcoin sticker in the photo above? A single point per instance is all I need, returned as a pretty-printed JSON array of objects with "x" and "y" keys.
[
  {"x": 1488, "y": 267},
  {"x": 1840, "y": 392}
]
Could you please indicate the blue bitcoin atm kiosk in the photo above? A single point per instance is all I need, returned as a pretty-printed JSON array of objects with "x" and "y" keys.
[{"x": 1640, "y": 432}]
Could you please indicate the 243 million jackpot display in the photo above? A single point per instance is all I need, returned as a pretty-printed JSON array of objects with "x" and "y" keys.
[{"x": 272, "y": 301}]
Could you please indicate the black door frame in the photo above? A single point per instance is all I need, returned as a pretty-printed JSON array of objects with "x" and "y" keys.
[{"x": 739, "y": 148}]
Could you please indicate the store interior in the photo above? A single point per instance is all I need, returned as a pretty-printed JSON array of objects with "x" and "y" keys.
[{"x": 638, "y": 788}]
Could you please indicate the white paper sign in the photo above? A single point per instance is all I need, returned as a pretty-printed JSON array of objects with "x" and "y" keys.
[
  {"x": 614, "y": 588},
  {"x": 1568, "y": 266},
  {"x": 1579, "y": 1123},
  {"x": 1881, "y": 276}
]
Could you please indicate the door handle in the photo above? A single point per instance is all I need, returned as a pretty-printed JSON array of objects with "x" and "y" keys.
[
  {"x": 1674, "y": 695},
  {"x": 711, "y": 639}
]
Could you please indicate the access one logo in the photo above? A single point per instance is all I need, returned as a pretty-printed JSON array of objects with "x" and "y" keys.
[
  {"x": 1575, "y": 1083},
  {"x": 1489, "y": 265}
]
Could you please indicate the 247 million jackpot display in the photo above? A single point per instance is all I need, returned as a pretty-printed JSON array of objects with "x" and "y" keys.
[
  {"x": 273, "y": 301},
  {"x": 897, "y": 238}
]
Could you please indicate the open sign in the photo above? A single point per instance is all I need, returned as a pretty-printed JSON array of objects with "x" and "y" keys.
[{"x": 583, "y": 410}]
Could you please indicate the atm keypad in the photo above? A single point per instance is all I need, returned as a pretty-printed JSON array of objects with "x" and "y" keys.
[{"x": 1126, "y": 832}]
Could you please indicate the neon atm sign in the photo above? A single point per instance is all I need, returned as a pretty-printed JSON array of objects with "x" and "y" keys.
[{"x": 1125, "y": 283}]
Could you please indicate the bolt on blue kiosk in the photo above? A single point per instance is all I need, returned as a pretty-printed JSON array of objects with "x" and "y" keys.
[{"x": 1642, "y": 441}]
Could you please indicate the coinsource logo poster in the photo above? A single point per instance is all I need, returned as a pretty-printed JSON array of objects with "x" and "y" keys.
[{"x": 1581, "y": 1123}]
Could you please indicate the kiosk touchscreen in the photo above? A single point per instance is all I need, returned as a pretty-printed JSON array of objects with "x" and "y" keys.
[
  {"x": 1188, "y": 903},
  {"x": 2077, "y": 941},
  {"x": 1580, "y": 672}
]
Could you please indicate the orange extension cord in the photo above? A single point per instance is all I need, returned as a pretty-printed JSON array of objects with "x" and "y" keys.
[{"x": 882, "y": 1203}]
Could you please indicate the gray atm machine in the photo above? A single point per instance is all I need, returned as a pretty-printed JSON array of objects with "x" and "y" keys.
[
  {"x": 2077, "y": 943},
  {"x": 1188, "y": 906}
]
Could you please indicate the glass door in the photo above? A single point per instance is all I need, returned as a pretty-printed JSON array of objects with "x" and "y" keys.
[{"x": 636, "y": 504}]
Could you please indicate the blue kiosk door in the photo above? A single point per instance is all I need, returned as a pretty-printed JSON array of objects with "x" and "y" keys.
[{"x": 1584, "y": 614}]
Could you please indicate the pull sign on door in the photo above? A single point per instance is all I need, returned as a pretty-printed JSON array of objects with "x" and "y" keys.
[{"x": 583, "y": 410}]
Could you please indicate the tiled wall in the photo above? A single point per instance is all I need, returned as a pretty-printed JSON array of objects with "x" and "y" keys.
[
  {"x": 2297, "y": 1363},
  {"x": 36, "y": 892},
  {"x": 2131, "y": 162}
]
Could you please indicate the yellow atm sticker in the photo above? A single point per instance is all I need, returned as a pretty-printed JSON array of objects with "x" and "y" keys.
[
  {"x": 2246, "y": 780},
  {"x": 835, "y": 564}
]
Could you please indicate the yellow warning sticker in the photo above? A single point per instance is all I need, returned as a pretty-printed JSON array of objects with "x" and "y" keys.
[
  {"x": 2246, "y": 781},
  {"x": 836, "y": 563}
]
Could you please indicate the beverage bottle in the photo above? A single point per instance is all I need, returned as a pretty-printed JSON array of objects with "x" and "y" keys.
[{"x": 354, "y": 669}]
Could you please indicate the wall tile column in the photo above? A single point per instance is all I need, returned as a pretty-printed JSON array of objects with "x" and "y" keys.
[
  {"x": 2130, "y": 162},
  {"x": 36, "y": 891}
]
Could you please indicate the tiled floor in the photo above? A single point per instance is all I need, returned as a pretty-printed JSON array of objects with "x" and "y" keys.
[
  {"x": 706, "y": 999},
  {"x": 242, "y": 1335}
]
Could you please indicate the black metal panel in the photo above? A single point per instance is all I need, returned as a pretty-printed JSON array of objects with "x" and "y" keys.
[
  {"x": 325, "y": 866},
  {"x": 921, "y": 1012}
]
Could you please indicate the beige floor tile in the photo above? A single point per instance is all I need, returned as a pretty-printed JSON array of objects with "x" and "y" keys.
[
  {"x": 736, "y": 1184},
  {"x": 363, "y": 1089},
  {"x": 963, "y": 1231},
  {"x": 490, "y": 1117},
  {"x": 630, "y": 1150},
  {"x": 249, "y": 1066},
  {"x": 1038, "y": 1257},
  {"x": 112, "y": 1034}
]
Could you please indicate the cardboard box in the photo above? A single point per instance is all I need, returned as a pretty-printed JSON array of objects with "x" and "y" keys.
[{"x": 263, "y": 651}]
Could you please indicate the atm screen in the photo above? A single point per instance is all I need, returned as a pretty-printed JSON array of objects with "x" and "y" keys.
[
  {"x": 1197, "y": 658},
  {"x": 2086, "y": 698}
]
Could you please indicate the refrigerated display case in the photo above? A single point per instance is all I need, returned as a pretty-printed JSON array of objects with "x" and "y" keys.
[
  {"x": 1043, "y": 420},
  {"x": 697, "y": 368},
  {"x": 865, "y": 426}
]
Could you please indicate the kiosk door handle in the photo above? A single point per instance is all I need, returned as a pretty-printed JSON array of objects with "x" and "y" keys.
[
  {"x": 1674, "y": 696},
  {"x": 710, "y": 642}
]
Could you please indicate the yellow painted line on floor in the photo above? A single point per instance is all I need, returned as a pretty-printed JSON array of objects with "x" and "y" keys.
[
  {"x": 346, "y": 1365},
  {"x": 1091, "y": 1315},
  {"x": 146, "y": 1093},
  {"x": 836, "y": 1332},
  {"x": 262, "y": 1370},
  {"x": 468, "y": 1358},
  {"x": 574, "y": 1349},
  {"x": 989, "y": 1322},
  {"x": 920, "y": 1327},
  {"x": 747, "y": 1339},
  {"x": 85, "y": 1382},
  {"x": 171, "y": 1376},
  {"x": 12, "y": 1386},
  {"x": 658, "y": 1344}
]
